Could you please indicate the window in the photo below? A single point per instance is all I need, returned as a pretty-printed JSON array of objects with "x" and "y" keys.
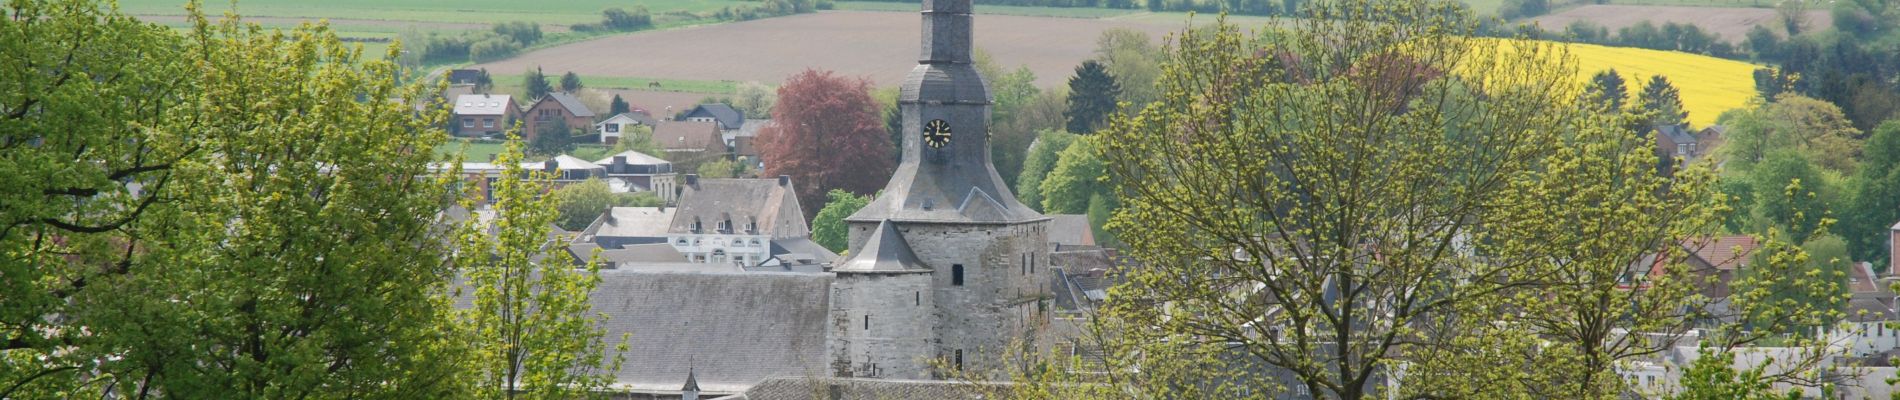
[
  {"x": 488, "y": 122},
  {"x": 959, "y": 358},
  {"x": 468, "y": 122},
  {"x": 612, "y": 128},
  {"x": 867, "y": 322},
  {"x": 1032, "y": 263},
  {"x": 919, "y": 298},
  {"x": 722, "y": 225},
  {"x": 956, "y": 275}
]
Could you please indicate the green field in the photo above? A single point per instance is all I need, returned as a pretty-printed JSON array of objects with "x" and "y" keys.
[{"x": 1066, "y": 12}]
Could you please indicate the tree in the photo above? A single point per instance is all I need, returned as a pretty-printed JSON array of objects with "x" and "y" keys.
[
  {"x": 618, "y": 106},
  {"x": 1810, "y": 197},
  {"x": 579, "y": 204},
  {"x": 1042, "y": 158},
  {"x": 829, "y": 228},
  {"x": 620, "y": 19},
  {"x": 170, "y": 235},
  {"x": 1873, "y": 203},
  {"x": 1015, "y": 116},
  {"x": 1662, "y": 98},
  {"x": 570, "y": 83},
  {"x": 721, "y": 168},
  {"x": 1077, "y": 176},
  {"x": 483, "y": 82},
  {"x": 826, "y": 135},
  {"x": 553, "y": 137},
  {"x": 1092, "y": 96},
  {"x": 1606, "y": 90},
  {"x": 529, "y": 327},
  {"x": 1135, "y": 62},
  {"x": 1307, "y": 217},
  {"x": 1813, "y": 127},
  {"x": 754, "y": 99},
  {"x": 536, "y": 84}
]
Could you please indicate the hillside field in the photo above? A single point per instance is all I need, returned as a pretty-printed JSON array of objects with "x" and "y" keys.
[
  {"x": 1709, "y": 85},
  {"x": 1731, "y": 23}
]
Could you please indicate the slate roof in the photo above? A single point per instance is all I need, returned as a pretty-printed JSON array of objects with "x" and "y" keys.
[
  {"x": 711, "y": 201},
  {"x": 686, "y": 135},
  {"x": 735, "y": 328},
  {"x": 1071, "y": 229},
  {"x": 482, "y": 104},
  {"x": 572, "y": 104},
  {"x": 883, "y": 252},
  {"x": 752, "y": 126},
  {"x": 642, "y": 254},
  {"x": 801, "y": 248},
  {"x": 1727, "y": 253},
  {"x": 805, "y": 388},
  {"x": 1676, "y": 133},
  {"x": 725, "y": 115}
]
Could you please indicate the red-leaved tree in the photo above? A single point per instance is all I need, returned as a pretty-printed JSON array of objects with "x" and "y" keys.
[{"x": 826, "y": 133}]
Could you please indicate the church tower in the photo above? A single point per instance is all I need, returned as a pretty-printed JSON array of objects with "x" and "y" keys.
[{"x": 946, "y": 265}]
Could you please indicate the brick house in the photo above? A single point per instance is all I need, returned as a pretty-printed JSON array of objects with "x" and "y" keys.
[
  {"x": 689, "y": 143},
  {"x": 543, "y": 114},
  {"x": 483, "y": 114}
]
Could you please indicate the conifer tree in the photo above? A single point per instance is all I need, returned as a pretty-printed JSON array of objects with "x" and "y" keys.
[
  {"x": 1092, "y": 96},
  {"x": 1665, "y": 100},
  {"x": 536, "y": 84}
]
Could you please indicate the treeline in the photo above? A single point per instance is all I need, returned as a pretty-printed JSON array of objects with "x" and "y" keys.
[
  {"x": 1670, "y": 36},
  {"x": 503, "y": 40},
  {"x": 771, "y": 8},
  {"x": 1237, "y": 7}
]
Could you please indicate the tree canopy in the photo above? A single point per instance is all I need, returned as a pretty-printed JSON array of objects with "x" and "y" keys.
[
  {"x": 826, "y": 134},
  {"x": 1092, "y": 97}
]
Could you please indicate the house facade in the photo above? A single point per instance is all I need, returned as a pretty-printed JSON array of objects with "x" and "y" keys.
[
  {"x": 483, "y": 115},
  {"x": 614, "y": 128},
  {"x": 553, "y": 111},
  {"x": 748, "y": 222}
]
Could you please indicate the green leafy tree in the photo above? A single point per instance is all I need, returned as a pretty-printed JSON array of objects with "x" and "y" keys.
[
  {"x": 1013, "y": 110},
  {"x": 1135, "y": 62},
  {"x": 1042, "y": 158},
  {"x": 1606, "y": 90},
  {"x": 1815, "y": 128},
  {"x": 168, "y": 234},
  {"x": 570, "y": 83},
  {"x": 828, "y": 228},
  {"x": 1798, "y": 213},
  {"x": 1661, "y": 97},
  {"x": 1873, "y": 203},
  {"x": 637, "y": 138},
  {"x": 618, "y": 106},
  {"x": 536, "y": 84},
  {"x": 553, "y": 137},
  {"x": 579, "y": 204},
  {"x": 530, "y": 330},
  {"x": 754, "y": 99},
  {"x": 722, "y": 168},
  {"x": 1077, "y": 176},
  {"x": 1092, "y": 96}
]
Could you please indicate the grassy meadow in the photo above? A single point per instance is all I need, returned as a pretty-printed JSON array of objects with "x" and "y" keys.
[{"x": 448, "y": 11}]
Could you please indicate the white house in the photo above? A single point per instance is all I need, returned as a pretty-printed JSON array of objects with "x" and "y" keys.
[{"x": 612, "y": 128}]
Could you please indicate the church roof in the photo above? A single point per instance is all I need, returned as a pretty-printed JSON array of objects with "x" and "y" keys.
[
  {"x": 771, "y": 203},
  {"x": 884, "y": 251},
  {"x": 741, "y": 327}
]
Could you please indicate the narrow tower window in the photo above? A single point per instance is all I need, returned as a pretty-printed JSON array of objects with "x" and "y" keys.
[
  {"x": 919, "y": 297},
  {"x": 867, "y": 322},
  {"x": 959, "y": 358},
  {"x": 956, "y": 274}
]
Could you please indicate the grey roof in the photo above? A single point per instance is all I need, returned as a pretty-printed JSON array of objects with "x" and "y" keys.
[
  {"x": 564, "y": 162},
  {"x": 483, "y": 104},
  {"x": 572, "y": 104},
  {"x": 643, "y": 254},
  {"x": 752, "y": 126},
  {"x": 636, "y": 222},
  {"x": 740, "y": 328},
  {"x": 801, "y": 248},
  {"x": 774, "y": 206},
  {"x": 725, "y": 115},
  {"x": 885, "y": 251},
  {"x": 686, "y": 135},
  {"x": 1071, "y": 229},
  {"x": 806, "y": 388},
  {"x": 1676, "y": 133}
]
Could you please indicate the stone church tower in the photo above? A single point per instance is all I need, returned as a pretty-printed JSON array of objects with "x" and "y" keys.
[{"x": 946, "y": 265}]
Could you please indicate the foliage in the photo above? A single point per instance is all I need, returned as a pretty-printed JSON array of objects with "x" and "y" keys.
[
  {"x": 618, "y": 106},
  {"x": 1043, "y": 155},
  {"x": 826, "y": 135},
  {"x": 1873, "y": 196},
  {"x": 570, "y": 83},
  {"x": 829, "y": 228},
  {"x": 169, "y": 234},
  {"x": 754, "y": 99},
  {"x": 1013, "y": 112},
  {"x": 723, "y": 168},
  {"x": 1092, "y": 96},
  {"x": 1712, "y": 377},
  {"x": 536, "y": 84},
  {"x": 1787, "y": 171},
  {"x": 1814, "y": 128},
  {"x": 580, "y": 203},
  {"x": 1077, "y": 176},
  {"x": 483, "y": 82},
  {"x": 620, "y": 19},
  {"x": 553, "y": 137},
  {"x": 523, "y": 33},
  {"x": 1606, "y": 90},
  {"x": 637, "y": 138},
  {"x": 530, "y": 330},
  {"x": 1135, "y": 62},
  {"x": 1663, "y": 99}
]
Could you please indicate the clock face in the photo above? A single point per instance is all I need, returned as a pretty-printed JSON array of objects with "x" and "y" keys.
[{"x": 937, "y": 133}]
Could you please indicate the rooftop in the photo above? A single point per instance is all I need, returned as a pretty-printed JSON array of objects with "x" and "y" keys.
[
  {"x": 737, "y": 328},
  {"x": 482, "y": 104}
]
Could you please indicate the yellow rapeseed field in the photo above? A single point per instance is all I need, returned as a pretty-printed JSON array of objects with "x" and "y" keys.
[{"x": 1709, "y": 85}]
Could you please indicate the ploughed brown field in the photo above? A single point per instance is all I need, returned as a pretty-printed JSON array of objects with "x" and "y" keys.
[
  {"x": 882, "y": 46},
  {"x": 1731, "y": 23}
]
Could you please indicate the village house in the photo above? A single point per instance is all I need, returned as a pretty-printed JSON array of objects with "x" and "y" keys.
[
  {"x": 483, "y": 115},
  {"x": 1870, "y": 309},
  {"x": 1677, "y": 142},
  {"x": 613, "y": 128},
  {"x": 689, "y": 143},
  {"x": 750, "y": 224},
  {"x": 632, "y": 171},
  {"x": 554, "y": 111},
  {"x": 727, "y": 117},
  {"x": 743, "y": 141}
]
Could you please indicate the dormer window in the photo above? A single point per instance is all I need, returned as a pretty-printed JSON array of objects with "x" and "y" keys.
[{"x": 696, "y": 226}]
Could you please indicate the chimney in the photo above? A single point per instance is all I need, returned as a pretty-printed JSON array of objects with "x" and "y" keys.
[
  {"x": 784, "y": 180},
  {"x": 692, "y": 180}
]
